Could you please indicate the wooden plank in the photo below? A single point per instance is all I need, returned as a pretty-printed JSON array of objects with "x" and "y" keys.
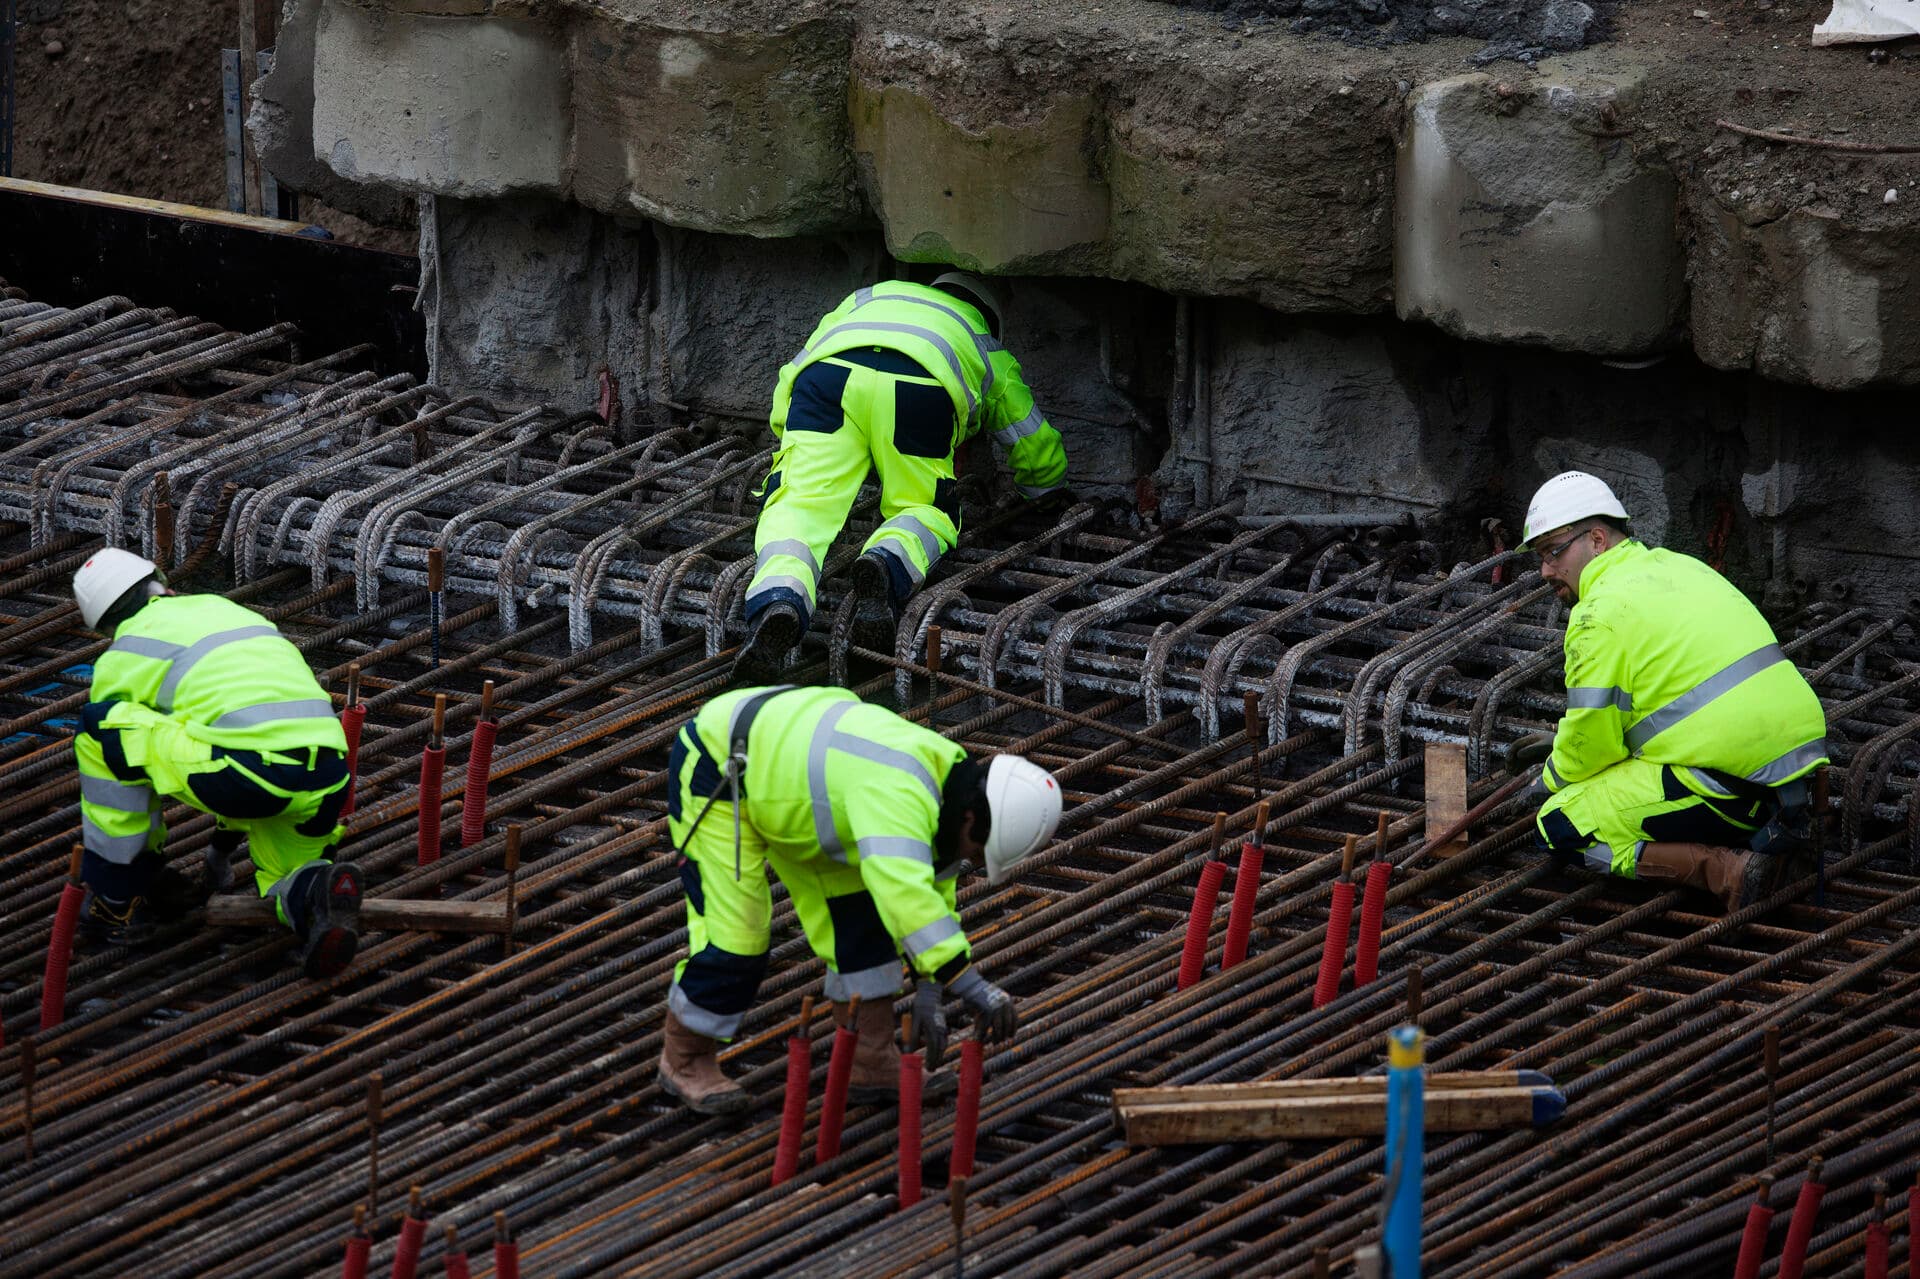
[
  {"x": 266, "y": 21},
  {"x": 1446, "y": 784},
  {"x": 1449, "y": 1110},
  {"x": 236, "y": 148},
  {"x": 1352, "y": 1086},
  {"x": 133, "y": 204},
  {"x": 377, "y": 914}
]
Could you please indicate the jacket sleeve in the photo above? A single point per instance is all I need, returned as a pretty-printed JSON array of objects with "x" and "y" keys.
[
  {"x": 1592, "y": 733},
  {"x": 119, "y": 818},
  {"x": 1035, "y": 452},
  {"x": 892, "y": 819}
]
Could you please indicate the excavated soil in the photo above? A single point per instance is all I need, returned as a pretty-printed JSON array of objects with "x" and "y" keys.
[{"x": 125, "y": 96}]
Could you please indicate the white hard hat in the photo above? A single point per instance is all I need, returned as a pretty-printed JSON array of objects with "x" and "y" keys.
[
  {"x": 104, "y": 578},
  {"x": 1025, "y": 802},
  {"x": 979, "y": 289},
  {"x": 1567, "y": 497}
]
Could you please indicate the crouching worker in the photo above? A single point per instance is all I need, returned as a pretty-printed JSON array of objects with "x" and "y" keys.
[
  {"x": 868, "y": 820},
  {"x": 1688, "y": 734},
  {"x": 894, "y": 379},
  {"x": 201, "y": 701}
]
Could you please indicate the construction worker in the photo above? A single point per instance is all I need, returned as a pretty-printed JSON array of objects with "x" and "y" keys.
[
  {"x": 1688, "y": 734},
  {"x": 202, "y": 701},
  {"x": 895, "y": 378},
  {"x": 868, "y": 821}
]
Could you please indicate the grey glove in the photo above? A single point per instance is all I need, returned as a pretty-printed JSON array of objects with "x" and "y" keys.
[
  {"x": 1529, "y": 752},
  {"x": 994, "y": 1016},
  {"x": 929, "y": 1024}
]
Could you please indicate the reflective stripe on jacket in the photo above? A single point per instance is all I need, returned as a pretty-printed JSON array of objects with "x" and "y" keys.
[
  {"x": 949, "y": 339},
  {"x": 1666, "y": 660},
  {"x": 830, "y": 778},
  {"x": 222, "y": 671}
]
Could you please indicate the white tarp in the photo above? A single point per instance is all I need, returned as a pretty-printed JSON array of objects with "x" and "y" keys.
[{"x": 1860, "y": 21}]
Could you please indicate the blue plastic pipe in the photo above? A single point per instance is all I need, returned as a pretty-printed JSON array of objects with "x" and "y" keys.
[{"x": 1406, "y": 1149}]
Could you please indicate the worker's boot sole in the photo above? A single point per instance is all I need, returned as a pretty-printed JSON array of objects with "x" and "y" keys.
[
  {"x": 876, "y": 620},
  {"x": 333, "y": 923},
  {"x": 719, "y": 1104},
  {"x": 1765, "y": 875},
  {"x": 870, "y": 578},
  {"x": 764, "y": 656}
]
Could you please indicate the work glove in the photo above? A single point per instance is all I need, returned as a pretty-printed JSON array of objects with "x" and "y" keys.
[
  {"x": 1054, "y": 500},
  {"x": 219, "y": 861},
  {"x": 929, "y": 1023},
  {"x": 173, "y": 895},
  {"x": 994, "y": 1016},
  {"x": 1530, "y": 751}
]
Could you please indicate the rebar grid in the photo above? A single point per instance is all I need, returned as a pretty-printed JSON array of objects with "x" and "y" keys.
[{"x": 201, "y": 1110}]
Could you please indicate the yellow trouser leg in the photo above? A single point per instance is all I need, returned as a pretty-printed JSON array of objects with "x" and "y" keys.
[
  {"x": 729, "y": 921},
  {"x": 815, "y": 477},
  {"x": 911, "y": 433},
  {"x": 1606, "y": 818}
]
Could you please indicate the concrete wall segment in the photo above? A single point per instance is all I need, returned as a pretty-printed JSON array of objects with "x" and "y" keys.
[
  {"x": 739, "y": 132},
  {"x": 281, "y": 124},
  {"x": 1276, "y": 189},
  {"x": 1519, "y": 220},
  {"x": 1131, "y": 141},
  {"x": 1806, "y": 295},
  {"x": 1021, "y": 198},
  {"x": 464, "y": 107}
]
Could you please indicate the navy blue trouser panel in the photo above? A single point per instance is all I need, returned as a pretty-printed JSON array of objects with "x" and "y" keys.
[
  {"x": 860, "y": 939},
  {"x": 816, "y": 398}
]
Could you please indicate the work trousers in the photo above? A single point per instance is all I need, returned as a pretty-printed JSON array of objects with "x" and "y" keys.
[
  {"x": 730, "y": 908},
  {"x": 131, "y": 759},
  {"x": 859, "y": 410},
  {"x": 1604, "y": 820}
]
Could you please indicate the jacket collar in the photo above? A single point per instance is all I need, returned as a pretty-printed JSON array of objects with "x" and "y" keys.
[{"x": 1601, "y": 564}]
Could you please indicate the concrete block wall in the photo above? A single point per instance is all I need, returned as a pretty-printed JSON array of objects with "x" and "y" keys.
[
  {"x": 1121, "y": 142},
  {"x": 1206, "y": 246}
]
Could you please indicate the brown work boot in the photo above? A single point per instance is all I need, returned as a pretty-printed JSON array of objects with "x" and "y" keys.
[
  {"x": 690, "y": 1072},
  {"x": 876, "y": 1060},
  {"x": 1737, "y": 876}
]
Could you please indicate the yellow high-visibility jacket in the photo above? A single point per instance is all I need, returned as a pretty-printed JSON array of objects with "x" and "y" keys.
[
  {"x": 830, "y": 777},
  {"x": 208, "y": 672},
  {"x": 1666, "y": 660},
  {"x": 948, "y": 338}
]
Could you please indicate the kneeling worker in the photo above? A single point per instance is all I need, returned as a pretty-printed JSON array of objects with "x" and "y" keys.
[
  {"x": 203, "y": 701},
  {"x": 868, "y": 820},
  {"x": 895, "y": 379},
  {"x": 1688, "y": 733}
]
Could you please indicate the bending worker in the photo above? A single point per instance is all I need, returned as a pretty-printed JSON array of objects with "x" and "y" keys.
[
  {"x": 868, "y": 820},
  {"x": 895, "y": 378},
  {"x": 1688, "y": 733},
  {"x": 203, "y": 701}
]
